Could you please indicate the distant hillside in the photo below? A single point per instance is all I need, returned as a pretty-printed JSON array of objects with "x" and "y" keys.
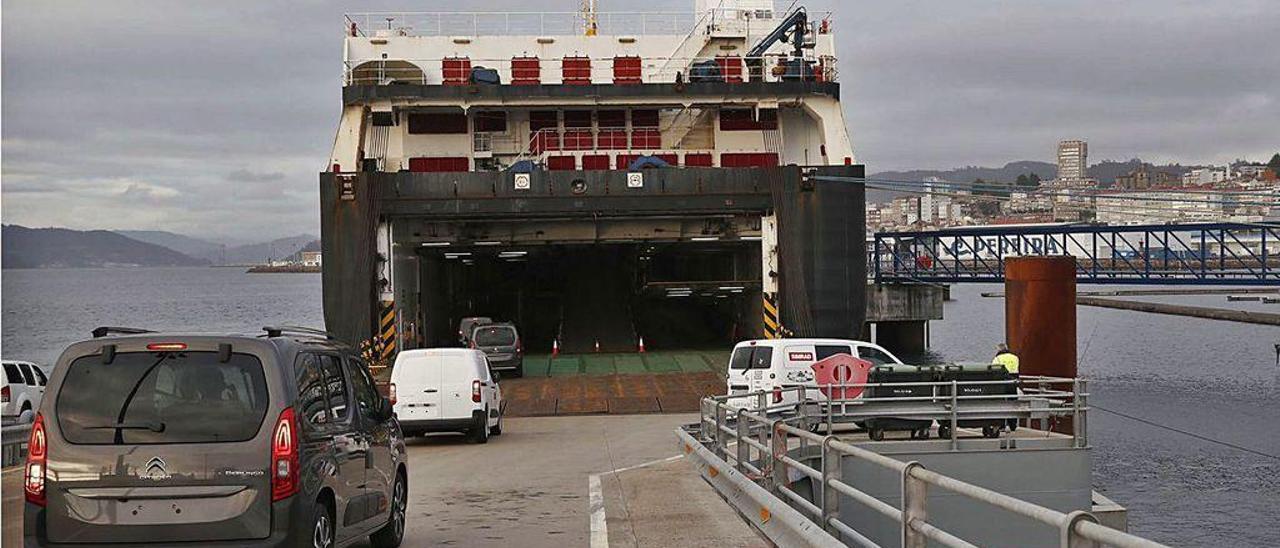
[
  {"x": 62, "y": 248},
  {"x": 1007, "y": 174},
  {"x": 217, "y": 253},
  {"x": 193, "y": 247},
  {"x": 278, "y": 249},
  {"x": 313, "y": 245}
]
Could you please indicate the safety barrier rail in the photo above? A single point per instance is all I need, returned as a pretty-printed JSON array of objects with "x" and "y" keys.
[
  {"x": 545, "y": 23},
  {"x": 590, "y": 70},
  {"x": 741, "y": 436}
]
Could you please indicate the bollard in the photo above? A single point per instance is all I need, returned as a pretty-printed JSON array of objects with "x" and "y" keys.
[{"x": 915, "y": 495}]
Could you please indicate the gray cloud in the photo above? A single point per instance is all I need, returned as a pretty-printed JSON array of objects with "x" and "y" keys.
[{"x": 214, "y": 118}]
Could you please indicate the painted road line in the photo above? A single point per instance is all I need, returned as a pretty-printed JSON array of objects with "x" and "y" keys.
[{"x": 595, "y": 501}]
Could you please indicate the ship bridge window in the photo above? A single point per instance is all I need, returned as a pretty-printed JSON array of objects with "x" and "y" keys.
[
  {"x": 495, "y": 121},
  {"x": 612, "y": 118},
  {"x": 644, "y": 118},
  {"x": 542, "y": 119},
  {"x": 437, "y": 123},
  {"x": 577, "y": 118},
  {"x": 743, "y": 119}
]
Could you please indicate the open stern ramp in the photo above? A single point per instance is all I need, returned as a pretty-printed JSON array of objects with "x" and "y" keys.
[{"x": 801, "y": 488}]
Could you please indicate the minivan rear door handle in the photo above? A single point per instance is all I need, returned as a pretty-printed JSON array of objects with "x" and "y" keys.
[{"x": 430, "y": 391}]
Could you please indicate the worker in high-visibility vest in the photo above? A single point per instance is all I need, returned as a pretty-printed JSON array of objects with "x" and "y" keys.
[{"x": 1006, "y": 358}]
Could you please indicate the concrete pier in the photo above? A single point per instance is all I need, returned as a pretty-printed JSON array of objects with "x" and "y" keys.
[
  {"x": 900, "y": 314},
  {"x": 1244, "y": 316}
]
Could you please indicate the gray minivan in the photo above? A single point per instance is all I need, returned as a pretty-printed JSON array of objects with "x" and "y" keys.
[{"x": 225, "y": 440}]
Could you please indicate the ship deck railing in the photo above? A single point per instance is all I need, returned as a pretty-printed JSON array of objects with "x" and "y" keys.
[
  {"x": 598, "y": 70},
  {"x": 745, "y": 445},
  {"x": 537, "y": 23}
]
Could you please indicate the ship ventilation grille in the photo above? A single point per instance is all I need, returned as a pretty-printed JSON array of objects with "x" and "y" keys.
[{"x": 375, "y": 143}]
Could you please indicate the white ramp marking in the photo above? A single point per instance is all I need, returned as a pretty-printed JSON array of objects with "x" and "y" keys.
[{"x": 595, "y": 501}]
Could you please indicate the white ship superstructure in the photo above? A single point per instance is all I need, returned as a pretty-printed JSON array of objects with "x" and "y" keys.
[{"x": 733, "y": 83}]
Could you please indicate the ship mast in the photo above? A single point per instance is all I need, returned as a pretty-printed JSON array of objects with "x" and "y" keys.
[{"x": 589, "y": 25}]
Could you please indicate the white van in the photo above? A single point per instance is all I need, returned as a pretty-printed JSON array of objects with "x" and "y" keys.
[
  {"x": 446, "y": 390},
  {"x": 766, "y": 364}
]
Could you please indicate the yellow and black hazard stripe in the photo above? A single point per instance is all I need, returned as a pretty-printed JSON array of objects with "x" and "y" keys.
[
  {"x": 387, "y": 329},
  {"x": 770, "y": 312}
]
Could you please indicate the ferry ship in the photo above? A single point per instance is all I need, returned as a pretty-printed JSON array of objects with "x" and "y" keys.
[{"x": 597, "y": 178}]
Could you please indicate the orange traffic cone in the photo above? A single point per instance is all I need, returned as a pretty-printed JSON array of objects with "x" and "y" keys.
[
  {"x": 641, "y": 345},
  {"x": 555, "y": 347},
  {"x": 597, "y": 345}
]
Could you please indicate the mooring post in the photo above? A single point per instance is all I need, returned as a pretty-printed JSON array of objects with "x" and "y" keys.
[{"x": 1040, "y": 316}]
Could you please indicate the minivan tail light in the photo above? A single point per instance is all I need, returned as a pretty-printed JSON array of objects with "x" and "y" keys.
[
  {"x": 475, "y": 391},
  {"x": 391, "y": 393},
  {"x": 284, "y": 456},
  {"x": 777, "y": 394},
  {"x": 37, "y": 458},
  {"x": 166, "y": 346},
  {"x": 4, "y": 394}
]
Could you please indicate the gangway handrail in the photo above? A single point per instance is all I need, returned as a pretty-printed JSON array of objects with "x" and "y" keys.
[{"x": 732, "y": 433}]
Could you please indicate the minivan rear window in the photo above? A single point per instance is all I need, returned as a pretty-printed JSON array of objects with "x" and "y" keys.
[
  {"x": 751, "y": 357},
  {"x": 162, "y": 397},
  {"x": 495, "y": 336}
]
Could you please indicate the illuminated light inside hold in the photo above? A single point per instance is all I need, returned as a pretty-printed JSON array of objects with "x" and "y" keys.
[
  {"x": 704, "y": 238},
  {"x": 750, "y": 238},
  {"x": 509, "y": 254},
  {"x": 731, "y": 287},
  {"x": 456, "y": 255},
  {"x": 166, "y": 347},
  {"x": 489, "y": 242},
  {"x": 435, "y": 244}
]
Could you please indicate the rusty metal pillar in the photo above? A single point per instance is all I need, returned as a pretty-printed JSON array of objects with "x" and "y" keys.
[{"x": 1040, "y": 316}]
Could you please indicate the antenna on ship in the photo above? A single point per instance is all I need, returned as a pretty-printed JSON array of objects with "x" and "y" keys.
[{"x": 589, "y": 26}]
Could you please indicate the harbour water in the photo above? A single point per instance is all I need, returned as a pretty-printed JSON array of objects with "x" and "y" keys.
[{"x": 1216, "y": 379}]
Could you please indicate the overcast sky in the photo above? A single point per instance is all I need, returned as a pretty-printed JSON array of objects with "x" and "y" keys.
[{"x": 213, "y": 119}]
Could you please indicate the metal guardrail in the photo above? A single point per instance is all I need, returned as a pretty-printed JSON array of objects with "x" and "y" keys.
[
  {"x": 1193, "y": 253},
  {"x": 737, "y": 436},
  {"x": 548, "y": 23},
  {"x": 14, "y": 447},
  {"x": 596, "y": 70}
]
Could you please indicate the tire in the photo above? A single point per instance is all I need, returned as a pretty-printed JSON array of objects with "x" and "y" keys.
[
  {"x": 876, "y": 434},
  {"x": 321, "y": 532},
  {"x": 944, "y": 431},
  {"x": 392, "y": 534},
  {"x": 990, "y": 431},
  {"x": 480, "y": 428},
  {"x": 26, "y": 416}
]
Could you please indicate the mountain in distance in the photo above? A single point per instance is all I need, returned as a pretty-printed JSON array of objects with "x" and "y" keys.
[
  {"x": 64, "y": 248},
  {"x": 186, "y": 245},
  {"x": 221, "y": 254}
]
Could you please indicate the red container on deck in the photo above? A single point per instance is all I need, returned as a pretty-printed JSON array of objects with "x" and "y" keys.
[
  {"x": 749, "y": 159},
  {"x": 436, "y": 165},
  {"x": 526, "y": 71},
  {"x": 730, "y": 68},
  {"x": 457, "y": 71},
  {"x": 595, "y": 162},
  {"x": 698, "y": 159},
  {"x": 646, "y": 138},
  {"x": 579, "y": 139},
  {"x": 613, "y": 139},
  {"x": 576, "y": 71},
  {"x": 626, "y": 70}
]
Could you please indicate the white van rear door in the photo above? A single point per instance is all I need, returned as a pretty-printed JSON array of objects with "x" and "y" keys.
[
  {"x": 458, "y": 374},
  {"x": 417, "y": 380}
]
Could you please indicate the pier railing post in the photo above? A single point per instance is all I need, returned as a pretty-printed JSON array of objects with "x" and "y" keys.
[
  {"x": 778, "y": 446},
  {"x": 831, "y": 471},
  {"x": 720, "y": 441},
  {"x": 744, "y": 449},
  {"x": 914, "y": 499},
  {"x": 1068, "y": 536}
]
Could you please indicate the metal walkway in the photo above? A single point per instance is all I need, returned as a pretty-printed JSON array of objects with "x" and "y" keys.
[{"x": 1199, "y": 254}]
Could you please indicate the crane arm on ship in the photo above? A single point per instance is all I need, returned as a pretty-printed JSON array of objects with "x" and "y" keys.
[{"x": 793, "y": 27}]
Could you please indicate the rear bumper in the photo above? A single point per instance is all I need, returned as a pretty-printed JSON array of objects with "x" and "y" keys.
[
  {"x": 507, "y": 365},
  {"x": 437, "y": 425},
  {"x": 289, "y": 527}
]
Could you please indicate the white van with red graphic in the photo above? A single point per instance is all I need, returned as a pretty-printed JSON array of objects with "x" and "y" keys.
[{"x": 774, "y": 364}]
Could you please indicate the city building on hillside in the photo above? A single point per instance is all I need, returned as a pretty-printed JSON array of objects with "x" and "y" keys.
[
  {"x": 1073, "y": 160},
  {"x": 1249, "y": 171},
  {"x": 1205, "y": 176},
  {"x": 311, "y": 258},
  {"x": 1145, "y": 177},
  {"x": 1159, "y": 206}
]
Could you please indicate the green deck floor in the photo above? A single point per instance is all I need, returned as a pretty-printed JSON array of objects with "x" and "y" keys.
[{"x": 675, "y": 361}]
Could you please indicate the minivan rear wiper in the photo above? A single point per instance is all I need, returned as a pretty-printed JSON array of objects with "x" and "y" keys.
[{"x": 156, "y": 427}]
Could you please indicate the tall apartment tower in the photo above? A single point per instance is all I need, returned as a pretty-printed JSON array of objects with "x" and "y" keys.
[{"x": 1073, "y": 160}]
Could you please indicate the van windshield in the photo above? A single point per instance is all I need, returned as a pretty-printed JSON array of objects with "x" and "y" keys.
[
  {"x": 162, "y": 397},
  {"x": 495, "y": 336}
]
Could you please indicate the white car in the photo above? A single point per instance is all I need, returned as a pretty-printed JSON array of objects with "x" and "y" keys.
[
  {"x": 768, "y": 364},
  {"x": 446, "y": 390},
  {"x": 23, "y": 387}
]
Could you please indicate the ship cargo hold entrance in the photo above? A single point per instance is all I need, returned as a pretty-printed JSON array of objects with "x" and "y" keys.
[
  {"x": 683, "y": 258},
  {"x": 597, "y": 295}
]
